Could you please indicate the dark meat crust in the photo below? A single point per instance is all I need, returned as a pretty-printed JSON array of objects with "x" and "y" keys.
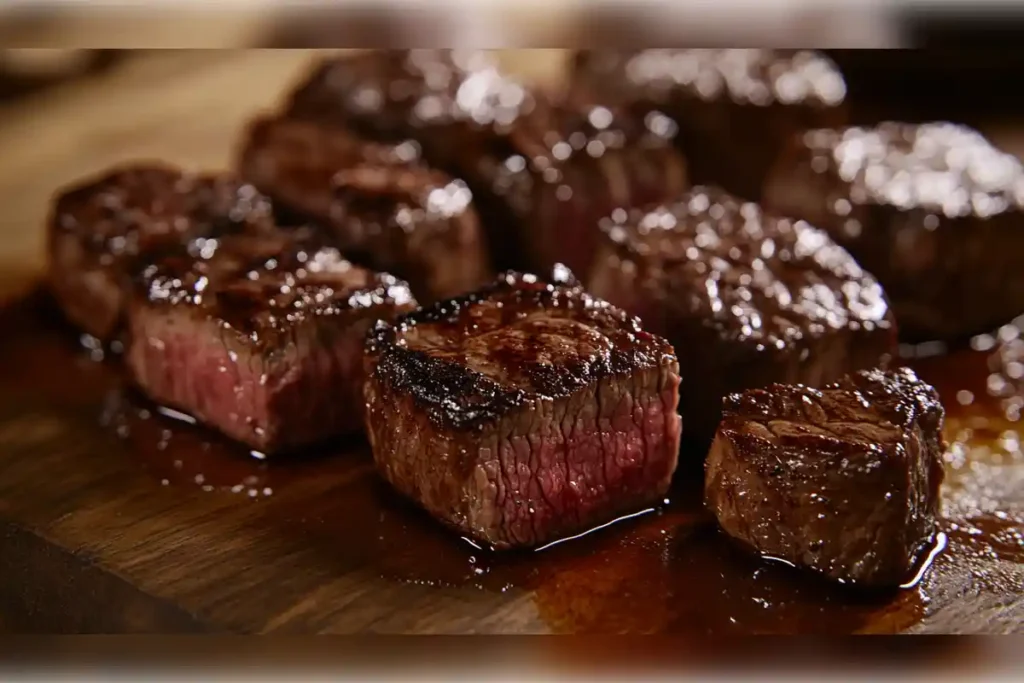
[
  {"x": 386, "y": 94},
  {"x": 128, "y": 209},
  {"x": 261, "y": 287},
  {"x": 458, "y": 397},
  {"x": 734, "y": 108},
  {"x": 844, "y": 480},
  {"x": 933, "y": 210},
  {"x": 749, "y": 275},
  {"x": 549, "y": 164},
  {"x": 100, "y": 226},
  {"x": 380, "y": 204},
  {"x": 895, "y": 402}
]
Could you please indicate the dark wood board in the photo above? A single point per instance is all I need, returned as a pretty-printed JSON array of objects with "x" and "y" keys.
[{"x": 115, "y": 518}]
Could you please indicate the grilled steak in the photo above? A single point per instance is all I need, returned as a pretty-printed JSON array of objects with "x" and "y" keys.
[
  {"x": 734, "y": 108},
  {"x": 843, "y": 480},
  {"x": 523, "y": 413},
  {"x": 382, "y": 207},
  {"x": 751, "y": 298},
  {"x": 542, "y": 170},
  {"x": 934, "y": 211},
  {"x": 100, "y": 227},
  {"x": 260, "y": 337}
]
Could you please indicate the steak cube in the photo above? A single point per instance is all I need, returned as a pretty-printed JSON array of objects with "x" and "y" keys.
[
  {"x": 381, "y": 206},
  {"x": 100, "y": 227},
  {"x": 843, "y": 480},
  {"x": 565, "y": 165},
  {"x": 934, "y": 211},
  {"x": 542, "y": 170},
  {"x": 260, "y": 337},
  {"x": 397, "y": 95},
  {"x": 753, "y": 298},
  {"x": 524, "y": 413},
  {"x": 734, "y": 108}
]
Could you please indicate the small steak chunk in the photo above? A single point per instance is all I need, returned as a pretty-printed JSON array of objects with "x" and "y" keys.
[
  {"x": 843, "y": 480},
  {"x": 382, "y": 207},
  {"x": 543, "y": 170},
  {"x": 100, "y": 227},
  {"x": 934, "y": 211},
  {"x": 745, "y": 297},
  {"x": 523, "y": 413},
  {"x": 260, "y": 337},
  {"x": 568, "y": 164},
  {"x": 734, "y": 108}
]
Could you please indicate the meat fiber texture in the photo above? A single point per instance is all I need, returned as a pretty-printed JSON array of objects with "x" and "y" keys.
[
  {"x": 100, "y": 227},
  {"x": 746, "y": 297},
  {"x": 260, "y": 337},
  {"x": 843, "y": 480},
  {"x": 523, "y": 413}
]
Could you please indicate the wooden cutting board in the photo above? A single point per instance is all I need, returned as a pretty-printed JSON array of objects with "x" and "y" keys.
[{"x": 116, "y": 518}]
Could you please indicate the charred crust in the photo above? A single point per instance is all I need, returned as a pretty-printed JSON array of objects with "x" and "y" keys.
[
  {"x": 458, "y": 397},
  {"x": 947, "y": 169},
  {"x": 135, "y": 207},
  {"x": 766, "y": 270},
  {"x": 259, "y": 288},
  {"x": 897, "y": 398},
  {"x": 362, "y": 177}
]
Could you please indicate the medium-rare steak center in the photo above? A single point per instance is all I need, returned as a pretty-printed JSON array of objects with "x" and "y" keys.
[
  {"x": 260, "y": 337},
  {"x": 524, "y": 413}
]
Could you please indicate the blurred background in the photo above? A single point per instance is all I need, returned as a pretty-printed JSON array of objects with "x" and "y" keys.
[{"x": 84, "y": 85}]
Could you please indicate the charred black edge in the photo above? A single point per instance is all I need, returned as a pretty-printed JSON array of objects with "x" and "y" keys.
[
  {"x": 914, "y": 397},
  {"x": 410, "y": 372}
]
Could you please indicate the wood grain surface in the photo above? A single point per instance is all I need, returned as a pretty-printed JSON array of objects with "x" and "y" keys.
[{"x": 116, "y": 519}]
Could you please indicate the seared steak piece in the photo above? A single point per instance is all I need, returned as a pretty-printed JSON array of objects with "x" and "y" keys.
[
  {"x": 542, "y": 170},
  {"x": 751, "y": 297},
  {"x": 523, "y": 413},
  {"x": 843, "y": 480},
  {"x": 933, "y": 210},
  {"x": 260, "y": 337},
  {"x": 735, "y": 108},
  {"x": 381, "y": 206},
  {"x": 566, "y": 165},
  {"x": 101, "y": 226}
]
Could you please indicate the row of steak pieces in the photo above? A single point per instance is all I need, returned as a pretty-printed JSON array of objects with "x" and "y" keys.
[
  {"x": 543, "y": 167},
  {"x": 929, "y": 209},
  {"x": 531, "y": 410},
  {"x": 246, "y": 325},
  {"x": 821, "y": 457},
  {"x": 379, "y": 204},
  {"x": 933, "y": 209},
  {"x": 519, "y": 414},
  {"x": 525, "y": 412}
]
